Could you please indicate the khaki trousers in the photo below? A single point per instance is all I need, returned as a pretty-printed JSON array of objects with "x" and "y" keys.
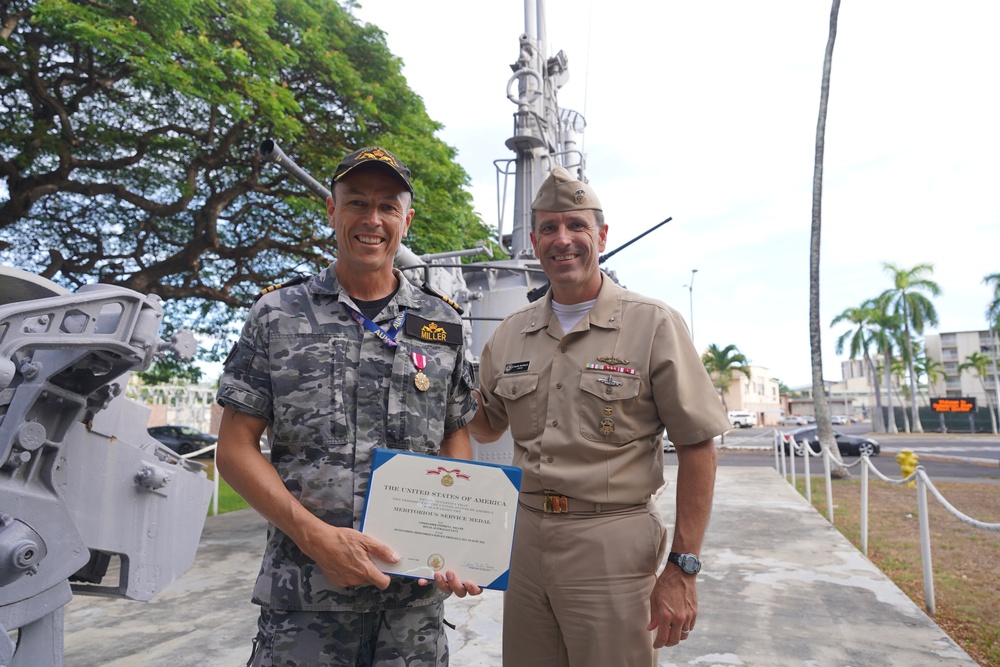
[{"x": 579, "y": 588}]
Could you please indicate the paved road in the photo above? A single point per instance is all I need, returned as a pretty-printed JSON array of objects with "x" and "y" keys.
[{"x": 945, "y": 457}]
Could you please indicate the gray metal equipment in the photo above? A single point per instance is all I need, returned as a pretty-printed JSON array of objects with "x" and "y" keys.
[{"x": 86, "y": 494}]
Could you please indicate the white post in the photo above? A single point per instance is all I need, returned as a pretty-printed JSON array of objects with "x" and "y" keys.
[
  {"x": 925, "y": 542},
  {"x": 864, "y": 506},
  {"x": 791, "y": 458},
  {"x": 829, "y": 484},
  {"x": 806, "y": 472},
  {"x": 215, "y": 480}
]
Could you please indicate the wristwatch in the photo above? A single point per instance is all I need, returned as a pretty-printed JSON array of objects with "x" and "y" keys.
[{"x": 688, "y": 563}]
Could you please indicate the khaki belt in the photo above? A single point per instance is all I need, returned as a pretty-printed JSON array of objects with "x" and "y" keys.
[{"x": 556, "y": 504}]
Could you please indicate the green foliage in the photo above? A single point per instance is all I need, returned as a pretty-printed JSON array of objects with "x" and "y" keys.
[
  {"x": 130, "y": 135},
  {"x": 722, "y": 364}
]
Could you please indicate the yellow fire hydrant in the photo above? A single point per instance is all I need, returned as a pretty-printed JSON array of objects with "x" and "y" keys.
[{"x": 907, "y": 461}]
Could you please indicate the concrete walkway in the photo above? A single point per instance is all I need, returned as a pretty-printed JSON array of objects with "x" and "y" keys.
[{"x": 780, "y": 586}]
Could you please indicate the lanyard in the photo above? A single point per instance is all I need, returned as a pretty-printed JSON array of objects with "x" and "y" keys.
[{"x": 388, "y": 337}]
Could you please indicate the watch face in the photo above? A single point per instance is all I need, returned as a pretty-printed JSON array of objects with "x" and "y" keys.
[{"x": 689, "y": 563}]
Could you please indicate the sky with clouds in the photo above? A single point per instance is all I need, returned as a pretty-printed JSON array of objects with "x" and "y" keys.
[{"x": 706, "y": 112}]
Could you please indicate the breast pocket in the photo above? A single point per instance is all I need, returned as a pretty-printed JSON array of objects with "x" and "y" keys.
[
  {"x": 607, "y": 407},
  {"x": 524, "y": 405},
  {"x": 307, "y": 375},
  {"x": 419, "y": 393}
]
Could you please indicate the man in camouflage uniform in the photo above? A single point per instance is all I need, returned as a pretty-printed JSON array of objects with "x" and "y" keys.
[{"x": 350, "y": 359}]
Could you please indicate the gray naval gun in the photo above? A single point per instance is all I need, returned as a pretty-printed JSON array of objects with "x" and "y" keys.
[{"x": 90, "y": 503}]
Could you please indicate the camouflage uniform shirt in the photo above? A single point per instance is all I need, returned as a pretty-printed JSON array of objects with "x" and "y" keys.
[{"x": 331, "y": 392}]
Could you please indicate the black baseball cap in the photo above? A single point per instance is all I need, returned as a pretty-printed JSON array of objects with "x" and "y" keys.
[{"x": 374, "y": 155}]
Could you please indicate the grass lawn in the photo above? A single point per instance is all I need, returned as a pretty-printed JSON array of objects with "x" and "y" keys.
[{"x": 966, "y": 560}]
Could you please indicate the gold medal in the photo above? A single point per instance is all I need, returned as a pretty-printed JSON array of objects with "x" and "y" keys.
[
  {"x": 447, "y": 480},
  {"x": 421, "y": 381}
]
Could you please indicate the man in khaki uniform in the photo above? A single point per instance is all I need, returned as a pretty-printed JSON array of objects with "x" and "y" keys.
[{"x": 587, "y": 378}]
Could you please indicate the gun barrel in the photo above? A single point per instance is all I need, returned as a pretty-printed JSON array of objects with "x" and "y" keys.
[{"x": 272, "y": 152}]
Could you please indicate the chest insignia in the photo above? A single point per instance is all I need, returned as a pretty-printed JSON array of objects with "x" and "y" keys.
[
  {"x": 447, "y": 333},
  {"x": 614, "y": 361},
  {"x": 610, "y": 381}
]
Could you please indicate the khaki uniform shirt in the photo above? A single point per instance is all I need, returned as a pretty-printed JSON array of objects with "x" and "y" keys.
[
  {"x": 331, "y": 392},
  {"x": 587, "y": 409}
]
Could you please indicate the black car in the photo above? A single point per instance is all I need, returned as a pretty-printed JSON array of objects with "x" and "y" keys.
[
  {"x": 849, "y": 445},
  {"x": 182, "y": 439}
]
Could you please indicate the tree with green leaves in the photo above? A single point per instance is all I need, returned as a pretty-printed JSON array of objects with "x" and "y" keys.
[
  {"x": 722, "y": 365},
  {"x": 859, "y": 341},
  {"x": 907, "y": 300},
  {"x": 130, "y": 135},
  {"x": 979, "y": 364}
]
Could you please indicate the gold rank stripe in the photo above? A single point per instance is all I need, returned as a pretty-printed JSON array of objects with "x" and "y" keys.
[{"x": 614, "y": 369}]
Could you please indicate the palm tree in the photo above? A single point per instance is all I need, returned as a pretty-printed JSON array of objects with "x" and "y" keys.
[
  {"x": 821, "y": 406},
  {"x": 993, "y": 319},
  {"x": 932, "y": 369},
  {"x": 980, "y": 363},
  {"x": 722, "y": 364},
  {"x": 860, "y": 339},
  {"x": 884, "y": 327},
  {"x": 907, "y": 300}
]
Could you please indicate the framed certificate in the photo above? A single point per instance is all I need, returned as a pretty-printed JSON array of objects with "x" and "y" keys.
[{"x": 443, "y": 514}]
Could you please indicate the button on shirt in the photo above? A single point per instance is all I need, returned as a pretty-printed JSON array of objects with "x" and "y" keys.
[{"x": 587, "y": 410}]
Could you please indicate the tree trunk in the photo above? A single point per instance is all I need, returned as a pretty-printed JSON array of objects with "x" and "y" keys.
[
  {"x": 917, "y": 426},
  {"x": 890, "y": 415},
  {"x": 878, "y": 424},
  {"x": 820, "y": 404}
]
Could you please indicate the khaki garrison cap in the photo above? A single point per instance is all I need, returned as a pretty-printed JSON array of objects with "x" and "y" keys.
[{"x": 561, "y": 192}]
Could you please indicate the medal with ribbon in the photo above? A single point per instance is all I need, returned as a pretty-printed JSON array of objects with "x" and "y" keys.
[{"x": 421, "y": 381}]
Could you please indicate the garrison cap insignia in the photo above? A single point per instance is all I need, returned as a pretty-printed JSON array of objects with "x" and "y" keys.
[
  {"x": 579, "y": 196},
  {"x": 433, "y": 332}
]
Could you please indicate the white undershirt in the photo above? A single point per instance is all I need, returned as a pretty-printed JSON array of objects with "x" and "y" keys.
[{"x": 569, "y": 315}]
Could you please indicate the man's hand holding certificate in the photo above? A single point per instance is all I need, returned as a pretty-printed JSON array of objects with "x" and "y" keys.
[{"x": 443, "y": 515}]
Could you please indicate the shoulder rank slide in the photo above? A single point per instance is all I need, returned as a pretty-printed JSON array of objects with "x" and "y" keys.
[
  {"x": 427, "y": 289},
  {"x": 297, "y": 280}
]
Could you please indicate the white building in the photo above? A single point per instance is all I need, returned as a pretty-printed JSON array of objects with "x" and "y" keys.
[{"x": 952, "y": 349}]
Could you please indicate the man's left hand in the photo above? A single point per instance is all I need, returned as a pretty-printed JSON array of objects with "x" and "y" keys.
[{"x": 673, "y": 607}]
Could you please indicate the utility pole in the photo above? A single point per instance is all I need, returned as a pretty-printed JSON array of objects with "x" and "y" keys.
[{"x": 690, "y": 287}]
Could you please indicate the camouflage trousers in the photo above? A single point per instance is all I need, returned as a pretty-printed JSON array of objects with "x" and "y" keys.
[{"x": 411, "y": 637}]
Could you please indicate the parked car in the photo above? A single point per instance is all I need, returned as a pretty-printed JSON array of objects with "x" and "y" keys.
[
  {"x": 182, "y": 439},
  {"x": 667, "y": 445},
  {"x": 742, "y": 418},
  {"x": 793, "y": 420},
  {"x": 849, "y": 445},
  {"x": 840, "y": 419}
]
